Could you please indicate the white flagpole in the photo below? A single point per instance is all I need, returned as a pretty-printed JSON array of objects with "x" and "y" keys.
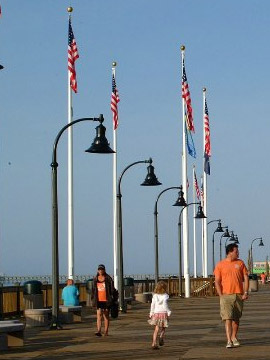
[
  {"x": 205, "y": 250},
  {"x": 194, "y": 227},
  {"x": 202, "y": 201},
  {"x": 115, "y": 245},
  {"x": 185, "y": 189},
  {"x": 70, "y": 185}
]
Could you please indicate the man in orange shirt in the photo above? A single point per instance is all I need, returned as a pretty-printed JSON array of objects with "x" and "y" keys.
[{"x": 231, "y": 281}]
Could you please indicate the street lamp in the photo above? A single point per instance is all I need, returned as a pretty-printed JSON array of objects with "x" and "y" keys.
[
  {"x": 199, "y": 215},
  {"x": 150, "y": 180},
  {"x": 233, "y": 238},
  {"x": 251, "y": 254},
  {"x": 100, "y": 145},
  {"x": 225, "y": 235},
  {"x": 218, "y": 229},
  {"x": 156, "y": 231}
]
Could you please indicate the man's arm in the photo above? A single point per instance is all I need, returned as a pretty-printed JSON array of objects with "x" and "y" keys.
[
  {"x": 246, "y": 285},
  {"x": 218, "y": 285}
]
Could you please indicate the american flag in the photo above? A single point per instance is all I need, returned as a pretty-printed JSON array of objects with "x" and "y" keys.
[
  {"x": 202, "y": 192},
  {"x": 186, "y": 96},
  {"x": 73, "y": 55},
  {"x": 207, "y": 147},
  {"x": 196, "y": 186},
  {"x": 114, "y": 101}
]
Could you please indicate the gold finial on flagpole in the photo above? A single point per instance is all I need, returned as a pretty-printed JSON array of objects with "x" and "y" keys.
[
  {"x": 114, "y": 63},
  {"x": 70, "y": 9},
  {"x": 204, "y": 89},
  {"x": 182, "y": 47}
]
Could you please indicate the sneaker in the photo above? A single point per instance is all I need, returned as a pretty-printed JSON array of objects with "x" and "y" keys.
[
  {"x": 236, "y": 343},
  {"x": 229, "y": 345},
  {"x": 161, "y": 341}
]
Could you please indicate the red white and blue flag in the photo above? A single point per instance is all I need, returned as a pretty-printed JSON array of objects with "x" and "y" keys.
[
  {"x": 196, "y": 186},
  {"x": 207, "y": 146},
  {"x": 187, "y": 98},
  {"x": 114, "y": 101},
  {"x": 73, "y": 55}
]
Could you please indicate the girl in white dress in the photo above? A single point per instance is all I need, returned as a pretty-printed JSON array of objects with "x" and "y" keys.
[{"x": 159, "y": 313}]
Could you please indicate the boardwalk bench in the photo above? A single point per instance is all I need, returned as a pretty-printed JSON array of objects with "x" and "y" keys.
[
  {"x": 70, "y": 314},
  {"x": 37, "y": 317},
  {"x": 11, "y": 334}
]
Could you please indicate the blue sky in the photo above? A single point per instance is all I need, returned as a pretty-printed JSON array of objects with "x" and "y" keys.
[{"x": 226, "y": 51}]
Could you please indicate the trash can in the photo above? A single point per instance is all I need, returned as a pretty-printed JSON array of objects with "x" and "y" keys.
[
  {"x": 89, "y": 289},
  {"x": 129, "y": 287},
  {"x": 253, "y": 282},
  {"x": 33, "y": 295}
]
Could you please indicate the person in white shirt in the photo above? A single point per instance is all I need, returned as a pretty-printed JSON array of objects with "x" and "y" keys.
[{"x": 159, "y": 313}]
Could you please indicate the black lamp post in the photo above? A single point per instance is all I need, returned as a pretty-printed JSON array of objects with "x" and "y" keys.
[
  {"x": 156, "y": 231},
  {"x": 251, "y": 254},
  {"x": 233, "y": 238},
  {"x": 99, "y": 145},
  {"x": 199, "y": 215},
  {"x": 218, "y": 229},
  {"x": 150, "y": 180},
  {"x": 225, "y": 235}
]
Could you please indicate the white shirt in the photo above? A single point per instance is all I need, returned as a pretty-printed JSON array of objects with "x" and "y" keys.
[{"x": 160, "y": 304}]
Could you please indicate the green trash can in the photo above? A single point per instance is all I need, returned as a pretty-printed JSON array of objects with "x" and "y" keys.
[
  {"x": 129, "y": 288},
  {"x": 32, "y": 287},
  {"x": 33, "y": 295}
]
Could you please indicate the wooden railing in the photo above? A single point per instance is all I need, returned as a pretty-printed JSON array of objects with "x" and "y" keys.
[{"x": 12, "y": 304}]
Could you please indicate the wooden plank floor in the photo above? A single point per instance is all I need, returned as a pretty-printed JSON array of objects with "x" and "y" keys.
[{"x": 195, "y": 332}]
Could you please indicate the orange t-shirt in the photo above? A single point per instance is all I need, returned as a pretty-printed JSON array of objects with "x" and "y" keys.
[
  {"x": 101, "y": 287},
  {"x": 231, "y": 276}
]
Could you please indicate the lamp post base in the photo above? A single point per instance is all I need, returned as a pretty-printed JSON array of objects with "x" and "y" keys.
[{"x": 55, "y": 325}]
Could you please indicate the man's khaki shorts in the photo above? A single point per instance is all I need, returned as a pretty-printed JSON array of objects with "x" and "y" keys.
[{"x": 231, "y": 306}]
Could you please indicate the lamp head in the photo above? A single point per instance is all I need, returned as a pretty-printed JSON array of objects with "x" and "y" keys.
[
  {"x": 232, "y": 236},
  {"x": 151, "y": 179},
  {"x": 100, "y": 145},
  {"x": 219, "y": 227},
  {"x": 200, "y": 213},
  {"x": 1, "y": 67},
  {"x": 226, "y": 234},
  {"x": 181, "y": 200},
  {"x": 261, "y": 242}
]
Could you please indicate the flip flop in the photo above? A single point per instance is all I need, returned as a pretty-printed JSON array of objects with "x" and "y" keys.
[
  {"x": 155, "y": 347},
  {"x": 98, "y": 334}
]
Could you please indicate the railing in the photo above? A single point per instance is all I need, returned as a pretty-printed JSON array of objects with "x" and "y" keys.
[{"x": 12, "y": 303}]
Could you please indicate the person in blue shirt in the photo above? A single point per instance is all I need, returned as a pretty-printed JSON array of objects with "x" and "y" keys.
[{"x": 70, "y": 294}]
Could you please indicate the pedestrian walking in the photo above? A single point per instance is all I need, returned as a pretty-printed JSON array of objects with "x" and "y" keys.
[
  {"x": 159, "y": 313},
  {"x": 231, "y": 281},
  {"x": 102, "y": 298}
]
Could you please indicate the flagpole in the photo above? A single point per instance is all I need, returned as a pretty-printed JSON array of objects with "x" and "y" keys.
[
  {"x": 205, "y": 234},
  {"x": 70, "y": 179},
  {"x": 202, "y": 202},
  {"x": 185, "y": 189},
  {"x": 194, "y": 227},
  {"x": 115, "y": 240}
]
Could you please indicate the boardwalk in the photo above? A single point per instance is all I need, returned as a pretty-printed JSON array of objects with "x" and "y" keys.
[{"x": 195, "y": 332}]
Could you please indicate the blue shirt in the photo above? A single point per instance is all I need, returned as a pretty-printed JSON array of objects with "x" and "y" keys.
[{"x": 70, "y": 295}]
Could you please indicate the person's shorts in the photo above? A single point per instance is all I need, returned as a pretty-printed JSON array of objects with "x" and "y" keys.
[
  {"x": 231, "y": 306},
  {"x": 102, "y": 305}
]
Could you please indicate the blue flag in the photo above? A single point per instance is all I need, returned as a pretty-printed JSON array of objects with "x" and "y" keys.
[
  {"x": 190, "y": 143},
  {"x": 206, "y": 164}
]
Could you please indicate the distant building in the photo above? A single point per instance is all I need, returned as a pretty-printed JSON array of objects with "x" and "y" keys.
[{"x": 260, "y": 267}]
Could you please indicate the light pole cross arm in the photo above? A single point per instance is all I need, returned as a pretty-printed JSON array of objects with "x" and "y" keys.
[
  {"x": 54, "y": 157},
  {"x": 129, "y": 166}
]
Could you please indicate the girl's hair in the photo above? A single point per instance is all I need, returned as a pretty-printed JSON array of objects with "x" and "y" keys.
[{"x": 160, "y": 288}]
